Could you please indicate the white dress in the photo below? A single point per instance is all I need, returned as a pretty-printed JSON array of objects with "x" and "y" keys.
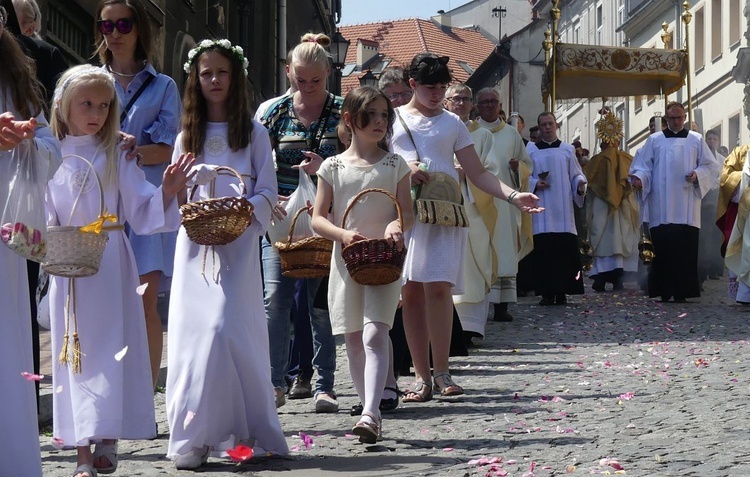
[
  {"x": 436, "y": 252},
  {"x": 219, "y": 388},
  {"x": 112, "y": 396},
  {"x": 19, "y": 435},
  {"x": 350, "y": 304}
]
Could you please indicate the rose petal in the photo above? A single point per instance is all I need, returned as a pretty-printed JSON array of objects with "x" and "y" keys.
[
  {"x": 32, "y": 377},
  {"x": 240, "y": 453},
  {"x": 141, "y": 289},
  {"x": 121, "y": 354}
]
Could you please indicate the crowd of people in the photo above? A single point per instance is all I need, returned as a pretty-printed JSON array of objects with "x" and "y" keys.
[{"x": 123, "y": 150}]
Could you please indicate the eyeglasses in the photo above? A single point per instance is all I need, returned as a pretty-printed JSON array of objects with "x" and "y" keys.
[
  {"x": 459, "y": 99},
  {"x": 123, "y": 25},
  {"x": 3, "y": 16},
  {"x": 402, "y": 95},
  {"x": 488, "y": 102}
]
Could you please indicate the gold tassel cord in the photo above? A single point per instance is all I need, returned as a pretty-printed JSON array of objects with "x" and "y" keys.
[
  {"x": 214, "y": 273},
  {"x": 65, "y": 357}
]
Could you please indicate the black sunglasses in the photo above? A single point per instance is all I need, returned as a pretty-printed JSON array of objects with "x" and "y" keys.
[
  {"x": 432, "y": 60},
  {"x": 123, "y": 25}
]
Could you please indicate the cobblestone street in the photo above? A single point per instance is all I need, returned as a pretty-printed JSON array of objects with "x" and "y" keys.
[{"x": 612, "y": 383}]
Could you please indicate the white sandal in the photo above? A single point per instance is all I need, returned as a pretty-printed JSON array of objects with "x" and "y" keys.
[{"x": 109, "y": 452}]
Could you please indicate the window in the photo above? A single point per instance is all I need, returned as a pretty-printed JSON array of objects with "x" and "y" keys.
[
  {"x": 620, "y": 21},
  {"x": 717, "y": 31},
  {"x": 637, "y": 103},
  {"x": 599, "y": 23},
  {"x": 734, "y": 25},
  {"x": 733, "y": 133},
  {"x": 699, "y": 49},
  {"x": 576, "y": 32}
]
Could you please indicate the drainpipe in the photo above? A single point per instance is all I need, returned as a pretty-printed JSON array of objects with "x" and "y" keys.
[{"x": 281, "y": 47}]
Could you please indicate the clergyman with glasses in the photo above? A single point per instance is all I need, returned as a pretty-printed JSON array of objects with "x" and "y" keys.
[{"x": 674, "y": 171}]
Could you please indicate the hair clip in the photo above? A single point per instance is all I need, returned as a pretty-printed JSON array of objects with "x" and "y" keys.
[{"x": 432, "y": 60}]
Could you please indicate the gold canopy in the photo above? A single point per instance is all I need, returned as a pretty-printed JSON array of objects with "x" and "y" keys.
[{"x": 589, "y": 71}]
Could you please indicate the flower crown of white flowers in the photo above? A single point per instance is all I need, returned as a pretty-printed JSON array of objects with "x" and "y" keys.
[{"x": 224, "y": 44}]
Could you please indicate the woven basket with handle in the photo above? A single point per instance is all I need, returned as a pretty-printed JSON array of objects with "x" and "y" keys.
[
  {"x": 306, "y": 258},
  {"x": 373, "y": 261},
  {"x": 217, "y": 221},
  {"x": 72, "y": 252}
]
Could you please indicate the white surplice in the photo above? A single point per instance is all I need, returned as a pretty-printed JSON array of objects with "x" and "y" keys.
[
  {"x": 19, "y": 434},
  {"x": 662, "y": 165},
  {"x": 564, "y": 176},
  {"x": 219, "y": 389},
  {"x": 112, "y": 396}
]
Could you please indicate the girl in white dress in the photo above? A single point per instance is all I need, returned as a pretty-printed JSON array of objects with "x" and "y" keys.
[
  {"x": 364, "y": 314},
  {"x": 24, "y": 128},
  {"x": 110, "y": 396},
  {"x": 219, "y": 391},
  {"x": 434, "y": 265}
]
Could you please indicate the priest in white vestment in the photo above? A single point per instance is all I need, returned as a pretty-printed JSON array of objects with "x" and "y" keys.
[
  {"x": 560, "y": 184},
  {"x": 611, "y": 209},
  {"x": 728, "y": 207},
  {"x": 479, "y": 264},
  {"x": 512, "y": 237},
  {"x": 675, "y": 170}
]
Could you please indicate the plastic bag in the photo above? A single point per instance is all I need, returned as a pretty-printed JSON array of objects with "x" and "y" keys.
[
  {"x": 24, "y": 225},
  {"x": 279, "y": 229}
]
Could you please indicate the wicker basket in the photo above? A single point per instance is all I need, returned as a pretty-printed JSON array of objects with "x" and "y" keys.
[
  {"x": 217, "y": 221},
  {"x": 374, "y": 261},
  {"x": 72, "y": 253},
  {"x": 306, "y": 258}
]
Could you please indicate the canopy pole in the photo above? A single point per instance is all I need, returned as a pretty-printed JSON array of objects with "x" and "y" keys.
[
  {"x": 555, "y": 15},
  {"x": 666, "y": 38},
  {"x": 686, "y": 17}
]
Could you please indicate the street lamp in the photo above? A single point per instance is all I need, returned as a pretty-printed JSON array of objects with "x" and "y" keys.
[
  {"x": 339, "y": 47},
  {"x": 368, "y": 79}
]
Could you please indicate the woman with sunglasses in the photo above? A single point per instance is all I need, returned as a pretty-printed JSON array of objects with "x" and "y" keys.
[
  {"x": 24, "y": 130},
  {"x": 428, "y": 137},
  {"x": 151, "y": 110}
]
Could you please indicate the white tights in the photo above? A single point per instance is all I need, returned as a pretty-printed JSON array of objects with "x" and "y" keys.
[{"x": 368, "y": 353}]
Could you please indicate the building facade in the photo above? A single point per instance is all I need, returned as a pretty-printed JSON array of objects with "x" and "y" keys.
[{"x": 266, "y": 30}]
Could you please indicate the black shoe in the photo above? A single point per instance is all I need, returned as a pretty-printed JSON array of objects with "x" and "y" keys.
[
  {"x": 501, "y": 313},
  {"x": 617, "y": 285},
  {"x": 598, "y": 286},
  {"x": 561, "y": 300},
  {"x": 547, "y": 301},
  {"x": 356, "y": 410},
  {"x": 388, "y": 405},
  {"x": 301, "y": 388},
  {"x": 468, "y": 335},
  {"x": 679, "y": 300}
]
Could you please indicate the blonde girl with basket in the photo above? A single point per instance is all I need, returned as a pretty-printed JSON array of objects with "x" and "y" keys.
[
  {"x": 219, "y": 391},
  {"x": 363, "y": 314},
  {"x": 428, "y": 137},
  {"x": 103, "y": 389}
]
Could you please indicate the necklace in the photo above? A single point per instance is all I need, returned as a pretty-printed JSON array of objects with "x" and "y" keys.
[{"x": 123, "y": 75}]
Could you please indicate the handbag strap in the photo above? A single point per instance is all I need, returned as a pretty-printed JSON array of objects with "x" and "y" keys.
[
  {"x": 408, "y": 133},
  {"x": 321, "y": 126},
  {"x": 135, "y": 97}
]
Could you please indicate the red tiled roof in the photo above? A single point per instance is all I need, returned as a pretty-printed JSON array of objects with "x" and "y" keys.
[{"x": 401, "y": 40}]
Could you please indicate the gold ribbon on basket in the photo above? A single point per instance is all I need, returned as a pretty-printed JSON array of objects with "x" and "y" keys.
[{"x": 98, "y": 225}]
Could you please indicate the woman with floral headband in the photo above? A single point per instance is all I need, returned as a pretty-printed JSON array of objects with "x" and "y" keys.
[
  {"x": 150, "y": 105},
  {"x": 219, "y": 393}
]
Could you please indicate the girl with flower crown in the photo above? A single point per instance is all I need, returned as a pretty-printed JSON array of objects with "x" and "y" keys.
[
  {"x": 219, "y": 392},
  {"x": 103, "y": 385},
  {"x": 123, "y": 39}
]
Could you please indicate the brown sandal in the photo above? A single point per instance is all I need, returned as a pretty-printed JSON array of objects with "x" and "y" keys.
[
  {"x": 422, "y": 392},
  {"x": 368, "y": 432},
  {"x": 449, "y": 388}
]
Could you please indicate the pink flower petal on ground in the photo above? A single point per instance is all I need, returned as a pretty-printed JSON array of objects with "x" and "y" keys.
[
  {"x": 448, "y": 449},
  {"x": 683, "y": 315},
  {"x": 294, "y": 449},
  {"x": 306, "y": 440},
  {"x": 627, "y": 396},
  {"x": 140, "y": 290},
  {"x": 424, "y": 431},
  {"x": 58, "y": 443},
  {"x": 240, "y": 453},
  {"x": 121, "y": 354},
  {"x": 32, "y": 377},
  {"x": 511, "y": 462},
  {"x": 349, "y": 436}
]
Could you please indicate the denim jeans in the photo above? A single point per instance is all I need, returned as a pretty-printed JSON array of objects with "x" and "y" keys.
[{"x": 278, "y": 301}]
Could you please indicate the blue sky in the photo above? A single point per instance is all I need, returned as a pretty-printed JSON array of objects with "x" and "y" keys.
[{"x": 367, "y": 11}]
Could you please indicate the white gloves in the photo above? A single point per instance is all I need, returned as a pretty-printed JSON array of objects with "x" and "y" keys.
[{"x": 202, "y": 174}]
